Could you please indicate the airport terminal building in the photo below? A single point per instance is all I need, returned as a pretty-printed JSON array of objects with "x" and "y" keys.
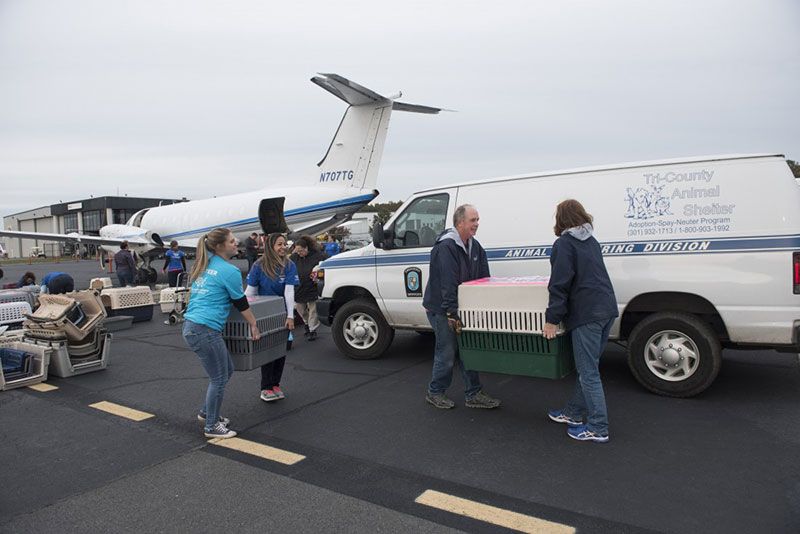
[{"x": 82, "y": 216}]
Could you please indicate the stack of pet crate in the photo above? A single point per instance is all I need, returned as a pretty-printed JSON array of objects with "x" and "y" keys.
[{"x": 71, "y": 326}]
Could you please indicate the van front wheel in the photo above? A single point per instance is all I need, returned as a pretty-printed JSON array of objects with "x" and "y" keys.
[
  {"x": 674, "y": 354},
  {"x": 360, "y": 331}
]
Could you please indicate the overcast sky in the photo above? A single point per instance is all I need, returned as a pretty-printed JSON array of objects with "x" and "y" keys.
[{"x": 199, "y": 98}]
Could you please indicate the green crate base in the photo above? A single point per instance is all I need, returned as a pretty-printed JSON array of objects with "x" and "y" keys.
[{"x": 516, "y": 354}]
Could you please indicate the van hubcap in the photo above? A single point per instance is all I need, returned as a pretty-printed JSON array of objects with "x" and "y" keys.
[
  {"x": 360, "y": 331},
  {"x": 671, "y": 355}
]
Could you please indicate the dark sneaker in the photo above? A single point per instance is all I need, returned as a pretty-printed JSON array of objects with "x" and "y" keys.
[
  {"x": 560, "y": 417},
  {"x": 312, "y": 335},
  {"x": 224, "y": 420},
  {"x": 220, "y": 431},
  {"x": 581, "y": 433},
  {"x": 482, "y": 400},
  {"x": 269, "y": 395},
  {"x": 277, "y": 390},
  {"x": 440, "y": 401}
]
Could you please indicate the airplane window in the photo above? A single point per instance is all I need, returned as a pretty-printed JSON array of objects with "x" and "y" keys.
[{"x": 421, "y": 222}]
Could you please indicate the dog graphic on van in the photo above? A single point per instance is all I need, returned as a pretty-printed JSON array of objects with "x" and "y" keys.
[{"x": 646, "y": 203}]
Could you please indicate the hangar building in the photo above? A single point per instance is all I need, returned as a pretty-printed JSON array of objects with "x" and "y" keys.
[{"x": 82, "y": 216}]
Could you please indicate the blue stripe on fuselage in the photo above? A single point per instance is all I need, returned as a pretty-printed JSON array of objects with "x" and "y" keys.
[{"x": 288, "y": 213}]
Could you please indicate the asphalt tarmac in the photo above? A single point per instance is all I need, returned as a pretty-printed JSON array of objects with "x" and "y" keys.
[{"x": 374, "y": 457}]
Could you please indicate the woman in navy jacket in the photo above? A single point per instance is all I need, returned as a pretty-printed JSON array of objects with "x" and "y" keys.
[{"x": 581, "y": 295}]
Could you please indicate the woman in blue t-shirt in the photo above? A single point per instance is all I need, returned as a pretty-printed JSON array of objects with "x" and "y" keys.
[
  {"x": 216, "y": 284},
  {"x": 175, "y": 263},
  {"x": 274, "y": 274}
]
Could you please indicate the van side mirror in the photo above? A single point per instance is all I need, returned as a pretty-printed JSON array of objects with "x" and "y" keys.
[{"x": 382, "y": 238}]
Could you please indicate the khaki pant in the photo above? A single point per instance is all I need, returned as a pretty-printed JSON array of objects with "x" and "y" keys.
[{"x": 308, "y": 311}]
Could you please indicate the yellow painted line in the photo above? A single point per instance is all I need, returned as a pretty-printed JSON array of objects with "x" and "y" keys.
[
  {"x": 121, "y": 411},
  {"x": 491, "y": 514},
  {"x": 43, "y": 387},
  {"x": 258, "y": 449}
]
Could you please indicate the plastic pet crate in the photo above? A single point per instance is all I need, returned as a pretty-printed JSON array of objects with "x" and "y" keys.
[
  {"x": 72, "y": 315},
  {"x": 503, "y": 320},
  {"x": 134, "y": 301},
  {"x": 34, "y": 369},
  {"x": 100, "y": 283},
  {"x": 169, "y": 297},
  {"x": 18, "y": 295},
  {"x": 13, "y": 313},
  {"x": 117, "y": 323},
  {"x": 65, "y": 364},
  {"x": 270, "y": 313}
]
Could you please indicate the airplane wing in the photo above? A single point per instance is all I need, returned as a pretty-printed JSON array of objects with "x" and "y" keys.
[{"x": 74, "y": 238}]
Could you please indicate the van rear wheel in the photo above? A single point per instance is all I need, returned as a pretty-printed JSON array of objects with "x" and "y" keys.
[
  {"x": 360, "y": 331},
  {"x": 674, "y": 354}
]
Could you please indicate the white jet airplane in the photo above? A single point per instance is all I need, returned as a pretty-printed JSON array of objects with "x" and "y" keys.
[{"x": 346, "y": 181}]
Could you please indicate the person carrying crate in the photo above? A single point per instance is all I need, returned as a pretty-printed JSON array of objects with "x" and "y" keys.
[
  {"x": 456, "y": 257},
  {"x": 275, "y": 274},
  {"x": 581, "y": 295},
  {"x": 216, "y": 283}
]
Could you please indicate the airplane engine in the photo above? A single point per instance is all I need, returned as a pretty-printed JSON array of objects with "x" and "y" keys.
[{"x": 138, "y": 237}]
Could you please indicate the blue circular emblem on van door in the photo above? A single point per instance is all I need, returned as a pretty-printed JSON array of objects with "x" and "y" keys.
[{"x": 413, "y": 281}]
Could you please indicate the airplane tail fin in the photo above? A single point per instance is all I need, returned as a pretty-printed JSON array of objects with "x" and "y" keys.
[{"x": 354, "y": 155}]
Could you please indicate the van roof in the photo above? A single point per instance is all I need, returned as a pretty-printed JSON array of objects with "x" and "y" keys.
[{"x": 633, "y": 165}]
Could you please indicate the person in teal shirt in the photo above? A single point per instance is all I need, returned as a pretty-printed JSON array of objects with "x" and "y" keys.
[
  {"x": 216, "y": 284},
  {"x": 275, "y": 274}
]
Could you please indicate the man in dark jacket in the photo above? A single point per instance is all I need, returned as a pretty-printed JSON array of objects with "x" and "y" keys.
[
  {"x": 306, "y": 257},
  {"x": 251, "y": 249},
  {"x": 456, "y": 257},
  {"x": 126, "y": 265}
]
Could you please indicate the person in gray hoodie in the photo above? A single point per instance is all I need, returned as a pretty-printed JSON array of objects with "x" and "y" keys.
[
  {"x": 581, "y": 295},
  {"x": 456, "y": 257}
]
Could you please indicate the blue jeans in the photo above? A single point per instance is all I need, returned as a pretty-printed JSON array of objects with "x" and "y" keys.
[
  {"x": 445, "y": 356},
  {"x": 588, "y": 399},
  {"x": 125, "y": 278},
  {"x": 213, "y": 354}
]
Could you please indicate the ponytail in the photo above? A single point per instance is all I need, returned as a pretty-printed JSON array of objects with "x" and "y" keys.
[{"x": 206, "y": 246}]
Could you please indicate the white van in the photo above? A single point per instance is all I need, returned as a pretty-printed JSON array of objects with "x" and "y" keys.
[{"x": 704, "y": 253}]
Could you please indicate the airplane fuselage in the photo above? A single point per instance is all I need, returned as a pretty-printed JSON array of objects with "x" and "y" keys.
[{"x": 317, "y": 209}]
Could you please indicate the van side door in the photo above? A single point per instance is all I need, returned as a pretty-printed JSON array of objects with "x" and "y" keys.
[{"x": 402, "y": 271}]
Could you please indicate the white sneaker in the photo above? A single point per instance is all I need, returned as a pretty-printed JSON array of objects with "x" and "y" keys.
[{"x": 269, "y": 395}]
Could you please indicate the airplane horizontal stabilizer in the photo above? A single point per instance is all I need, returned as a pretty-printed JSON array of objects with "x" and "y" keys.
[
  {"x": 358, "y": 95},
  {"x": 415, "y": 108}
]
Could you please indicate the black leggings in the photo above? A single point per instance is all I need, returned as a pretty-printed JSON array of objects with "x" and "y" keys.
[
  {"x": 172, "y": 276},
  {"x": 271, "y": 373}
]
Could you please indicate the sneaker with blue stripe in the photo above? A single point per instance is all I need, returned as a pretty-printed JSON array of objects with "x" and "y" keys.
[
  {"x": 560, "y": 417},
  {"x": 581, "y": 433}
]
